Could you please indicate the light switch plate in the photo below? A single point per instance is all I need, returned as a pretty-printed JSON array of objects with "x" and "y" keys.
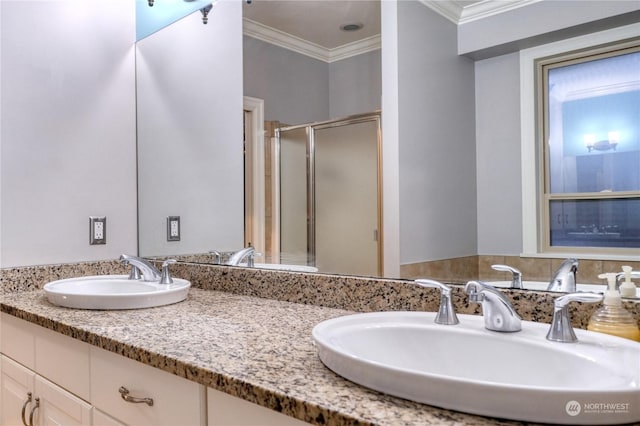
[
  {"x": 173, "y": 228},
  {"x": 97, "y": 230}
]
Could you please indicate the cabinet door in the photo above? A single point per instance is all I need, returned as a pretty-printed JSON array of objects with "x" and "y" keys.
[
  {"x": 226, "y": 410},
  {"x": 59, "y": 407},
  {"x": 17, "y": 383},
  {"x": 101, "y": 419}
]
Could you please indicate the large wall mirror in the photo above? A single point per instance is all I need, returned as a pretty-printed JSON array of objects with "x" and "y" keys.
[{"x": 191, "y": 81}]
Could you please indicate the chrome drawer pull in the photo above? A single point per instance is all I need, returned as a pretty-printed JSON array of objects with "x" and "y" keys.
[
  {"x": 124, "y": 393},
  {"x": 24, "y": 408},
  {"x": 33, "y": 410}
]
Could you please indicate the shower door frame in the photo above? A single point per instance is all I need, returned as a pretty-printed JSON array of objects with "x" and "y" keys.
[{"x": 376, "y": 117}]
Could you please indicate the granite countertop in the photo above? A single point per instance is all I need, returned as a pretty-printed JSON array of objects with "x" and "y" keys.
[{"x": 255, "y": 348}]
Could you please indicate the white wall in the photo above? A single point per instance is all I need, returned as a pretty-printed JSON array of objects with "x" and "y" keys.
[
  {"x": 436, "y": 119},
  {"x": 67, "y": 130},
  {"x": 190, "y": 134},
  {"x": 498, "y": 155}
]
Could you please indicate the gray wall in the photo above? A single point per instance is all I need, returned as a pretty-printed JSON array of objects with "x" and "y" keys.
[
  {"x": 436, "y": 139},
  {"x": 297, "y": 89},
  {"x": 498, "y": 155},
  {"x": 294, "y": 87},
  {"x": 68, "y": 147},
  {"x": 355, "y": 85}
]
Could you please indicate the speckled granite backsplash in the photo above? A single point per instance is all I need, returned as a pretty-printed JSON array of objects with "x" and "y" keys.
[
  {"x": 368, "y": 294},
  {"x": 334, "y": 291},
  {"x": 25, "y": 278}
]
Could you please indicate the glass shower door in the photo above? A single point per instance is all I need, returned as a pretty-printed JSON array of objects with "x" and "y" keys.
[{"x": 345, "y": 157}]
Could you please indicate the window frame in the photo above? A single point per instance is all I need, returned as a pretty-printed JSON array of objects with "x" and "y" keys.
[
  {"x": 535, "y": 195},
  {"x": 542, "y": 65}
]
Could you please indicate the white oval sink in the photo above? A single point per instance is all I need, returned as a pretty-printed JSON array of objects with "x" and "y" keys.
[
  {"x": 519, "y": 376},
  {"x": 114, "y": 292}
]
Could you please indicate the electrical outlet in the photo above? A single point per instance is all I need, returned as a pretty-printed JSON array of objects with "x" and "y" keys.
[
  {"x": 173, "y": 228},
  {"x": 97, "y": 230}
]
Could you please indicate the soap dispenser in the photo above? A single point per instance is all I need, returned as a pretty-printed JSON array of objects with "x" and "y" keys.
[
  {"x": 612, "y": 318},
  {"x": 628, "y": 288}
]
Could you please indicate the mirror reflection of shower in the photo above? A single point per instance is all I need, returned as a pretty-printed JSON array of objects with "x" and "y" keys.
[{"x": 326, "y": 190}]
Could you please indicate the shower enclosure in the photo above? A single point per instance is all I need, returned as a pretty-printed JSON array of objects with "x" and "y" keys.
[{"x": 327, "y": 195}]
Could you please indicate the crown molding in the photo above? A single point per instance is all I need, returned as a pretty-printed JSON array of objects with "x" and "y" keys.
[
  {"x": 448, "y": 9},
  {"x": 483, "y": 9},
  {"x": 487, "y": 8},
  {"x": 287, "y": 41}
]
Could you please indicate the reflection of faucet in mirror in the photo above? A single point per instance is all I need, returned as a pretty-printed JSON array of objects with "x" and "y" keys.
[
  {"x": 565, "y": 277},
  {"x": 237, "y": 257},
  {"x": 499, "y": 314},
  {"x": 516, "y": 278}
]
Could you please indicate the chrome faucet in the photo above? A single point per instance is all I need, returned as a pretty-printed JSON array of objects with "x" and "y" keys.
[
  {"x": 516, "y": 275},
  {"x": 149, "y": 272},
  {"x": 499, "y": 314},
  {"x": 564, "y": 279},
  {"x": 561, "y": 329},
  {"x": 446, "y": 313},
  {"x": 237, "y": 257}
]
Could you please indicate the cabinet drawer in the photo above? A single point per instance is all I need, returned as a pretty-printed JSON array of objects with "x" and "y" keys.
[
  {"x": 18, "y": 340},
  {"x": 176, "y": 401}
]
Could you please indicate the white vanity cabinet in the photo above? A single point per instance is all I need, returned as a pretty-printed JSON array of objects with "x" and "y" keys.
[{"x": 77, "y": 384}]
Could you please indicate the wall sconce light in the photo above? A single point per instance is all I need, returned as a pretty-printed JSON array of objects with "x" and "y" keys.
[
  {"x": 205, "y": 13},
  {"x": 602, "y": 145}
]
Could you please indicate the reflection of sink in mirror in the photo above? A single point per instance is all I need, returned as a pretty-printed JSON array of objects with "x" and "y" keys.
[
  {"x": 464, "y": 367},
  {"x": 542, "y": 285},
  {"x": 114, "y": 292},
  {"x": 283, "y": 267}
]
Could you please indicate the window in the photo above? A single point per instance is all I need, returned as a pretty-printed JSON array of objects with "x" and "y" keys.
[{"x": 589, "y": 105}]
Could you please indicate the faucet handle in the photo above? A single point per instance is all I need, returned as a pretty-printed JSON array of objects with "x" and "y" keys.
[
  {"x": 561, "y": 329},
  {"x": 516, "y": 279},
  {"x": 446, "y": 313},
  {"x": 166, "y": 278},
  {"x": 135, "y": 273}
]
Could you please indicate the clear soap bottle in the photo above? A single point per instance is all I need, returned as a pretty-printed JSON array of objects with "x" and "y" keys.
[{"x": 612, "y": 318}]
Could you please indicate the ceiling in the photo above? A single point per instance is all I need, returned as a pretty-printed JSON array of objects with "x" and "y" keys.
[{"x": 318, "y": 21}]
